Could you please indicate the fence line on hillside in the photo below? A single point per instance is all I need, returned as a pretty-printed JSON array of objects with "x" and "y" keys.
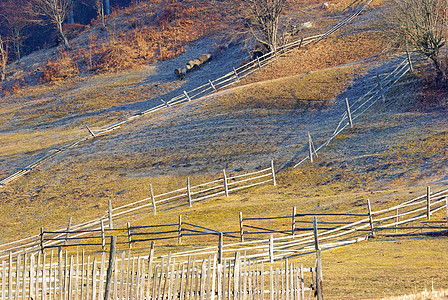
[
  {"x": 200, "y": 91},
  {"x": 366, "y": 225},
  {"x": 48, "y": 276},
  {"x": 358, "y": 107},
  {"x": 188, "y": 195},
  {"x": 354, "y": 227}
]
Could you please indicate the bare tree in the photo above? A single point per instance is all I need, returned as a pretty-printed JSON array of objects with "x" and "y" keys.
[
  {"x": 99, "y": 7},
  {"x": 422, "y": 24},
  {"x": 4, "y": 54},
  {"x": 261, "y": 18},
  {"x": 54, "y": 10},
  {"x": 15, "y": 20}
]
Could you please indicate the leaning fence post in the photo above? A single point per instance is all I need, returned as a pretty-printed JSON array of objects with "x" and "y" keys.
[
  {"x": 213, "y": 86},
  {"x": 372, "y": 232},
  {"x": 259, "y": 65},
  {"x": 409, "y": 59},
  {"x": 273, "y": 172},
  {"x": 110, "y": 268},
  {"x": 90, "y": 131},
  {"x": 241, "y": 227},
  {"x": 186, "y": 95},
  {"x": 129, "y": 235},
  {"x": 68, "y": 230},
  {"x": 271, "y": 248},
  {"x": 188, "y": 191},
  {"x": 312, "y": 150},
  {"x": 293, "y": 221},
  {"x": 103, "y": 239},
  {"x": 111, "y": 224},
  {"x": 220, "y": 244},
  {"x": 226, "y": 187},
  {"x": 153, "y": 200},
  {"x": 179, "y": 237},
  {"x": 42, "y": 239},
  {"x": 236, "y": 74},
  {"x": 349, "y": 114},
  {"x": 380, "y": 84},
  {"x": 428, "y": 202},
  {"x": 446, "y": 206}
]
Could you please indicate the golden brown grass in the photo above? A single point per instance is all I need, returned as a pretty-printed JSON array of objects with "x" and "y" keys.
[{"x": 331, "y": 52}]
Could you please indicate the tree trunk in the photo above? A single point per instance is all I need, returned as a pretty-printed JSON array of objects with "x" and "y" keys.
[
  {"x": 440, "y": 71},
  {"x": 4, "y": 58},
  {"x": 64, "y": 38}
]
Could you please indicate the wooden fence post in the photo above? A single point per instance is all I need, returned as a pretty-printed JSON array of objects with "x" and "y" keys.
[
  {"x": 312, "y": 151},
  {"x": 319, "y": 280},
  {"x": 111, "y": 224},
  {"x": 179, "y": 237},
  {"x": 129, "y": 235},
  {"x": 10, "y": 276},
  {"x": 42, "y": 239},
  {"x": 68, "y": 230},
  {"x": 349, "y": 114},
  {"x": 380, "y": 85},
  {"x": 446, "y": 206},
  {"x": 241, "y": 227},
  {"x": 372, "y": 232},
  {"x": 236, "y": 74},
  {"x": 273, "y": 172},
  {"x": 316, "y": 238},
  {"x": 220, "y": 244},
  {"x": 226, "y": 187},
  {"x": 189, "y": 191},
  {"x": 213, "y": 86},
  {"x": 319, "y": 277},
  {"x": 409, "y": 59},
  {"x": 293, "y": 221},
  {"x": 60, "y": 273},
  {"x": 259, "y": 65},
  {"x": 103, "y": 238},
  {"x": 271, "y": 248},
  {"x": 164, "y": 102},
  {"x": 186, "y": 95},
  {"x": 153, "y": 200},
  {"x": 110, "y": 267},
  {"x": 428, "y": 202},
  {"x": 90, "y": 131}
]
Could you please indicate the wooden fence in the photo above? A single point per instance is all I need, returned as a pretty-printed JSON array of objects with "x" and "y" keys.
[
  {"x": 335, "y": 229},
  {"x": 57, "y": 275},
  {"x": 188, "y": 195},
  {"x": 200, "y": 91},
  {"x": 358, "y": 107}
]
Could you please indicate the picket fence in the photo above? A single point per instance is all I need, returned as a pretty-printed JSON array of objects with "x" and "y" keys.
[
  {"x": 206, "y": 89},
  {"x": 181, "y": 197},
  {"x": 62, "y": 276}
]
